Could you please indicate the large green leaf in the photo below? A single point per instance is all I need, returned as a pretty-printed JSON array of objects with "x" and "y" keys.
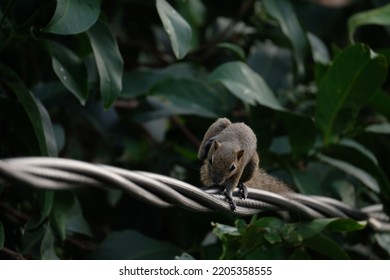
[
  {"x": 139, "y": 82},
  {"x": 70, "y": 69},
  {"x": 360, "y": 164},
  {"x": 182, "y": 96},
  {"x": 357, "y": 172},
  {"x": 2, "y": 236},
  {"x": 195, "y": 13},
  {"x": 284, "y": 13},
  {"x": 310, "y": 180},
  {"x": 378, "y": 16},
  {"x": 346, "y": 225},
  {"x": 131, "y": 245},
  {"x": 352, "y": 79},
  {"x": 245, "y": 84},
  {"x": 108, "y": 60},
  {"x": 301, "y": 130},
  {"x": 312, "y": 228},
  {"x": 273, "y": 63},
  {"x": 326, "y": 246},
  {"x": 37, "y": 114},
  {"x": 315, "y": 227},
  {"x": 73, "y": 16},
  {"x": 177, "y": 28}
]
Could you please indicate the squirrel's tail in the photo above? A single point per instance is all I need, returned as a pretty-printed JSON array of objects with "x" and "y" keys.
[{"x": 262, "y": 180}]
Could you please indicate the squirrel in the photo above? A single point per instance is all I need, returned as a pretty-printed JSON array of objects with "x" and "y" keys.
[{"x": 229, "y": 154}]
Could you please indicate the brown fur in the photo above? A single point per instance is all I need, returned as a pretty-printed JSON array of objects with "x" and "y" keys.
[{"x": 230, "y": 159}]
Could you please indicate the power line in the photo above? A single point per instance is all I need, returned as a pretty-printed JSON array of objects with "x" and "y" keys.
[{"x": 163, "y": 191}]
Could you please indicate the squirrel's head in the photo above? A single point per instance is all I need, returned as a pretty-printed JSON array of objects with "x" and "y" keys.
[{"x": 223, "y": 161}]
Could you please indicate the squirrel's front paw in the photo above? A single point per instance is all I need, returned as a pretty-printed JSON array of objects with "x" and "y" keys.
[
  {"x": 229, "y": 197},
  {"x": 243, "y": 190}
]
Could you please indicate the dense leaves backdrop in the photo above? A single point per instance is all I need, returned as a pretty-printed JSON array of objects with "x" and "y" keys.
[{"x": 135, "y": 84}]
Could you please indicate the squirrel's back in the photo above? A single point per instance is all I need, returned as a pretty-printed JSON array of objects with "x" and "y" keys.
[{"x": 239, "y": 135}]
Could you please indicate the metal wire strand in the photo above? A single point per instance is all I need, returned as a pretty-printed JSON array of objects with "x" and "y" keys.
[{"x": 163, "y": 191}]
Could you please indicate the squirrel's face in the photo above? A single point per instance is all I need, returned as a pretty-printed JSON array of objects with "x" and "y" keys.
[{"x": 222, "y": 162}]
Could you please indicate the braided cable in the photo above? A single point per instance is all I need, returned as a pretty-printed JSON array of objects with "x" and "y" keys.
[{"x": 163, "y": 191}]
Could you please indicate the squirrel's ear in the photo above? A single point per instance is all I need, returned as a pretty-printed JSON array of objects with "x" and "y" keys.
[
  {"x": 240, "y": 154},
  {"x": 216, "y": 144}
]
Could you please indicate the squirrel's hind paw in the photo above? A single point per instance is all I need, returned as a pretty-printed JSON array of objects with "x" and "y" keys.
[
  {"x": 243, "y": 190},
  {"x": 229, "y": 197}
]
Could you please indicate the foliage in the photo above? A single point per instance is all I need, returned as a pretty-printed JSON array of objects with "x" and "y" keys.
[
  {"x": 136, "y": 84},
  {"x": 270, "y": 237}
]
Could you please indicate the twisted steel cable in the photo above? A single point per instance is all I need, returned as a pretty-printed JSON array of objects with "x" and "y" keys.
[{"x": 163, "y": 191}]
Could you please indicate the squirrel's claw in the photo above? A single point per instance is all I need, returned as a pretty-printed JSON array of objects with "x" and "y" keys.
[
  {"x": 243, "y": 190},
  {"x": 229, "y": 197}
]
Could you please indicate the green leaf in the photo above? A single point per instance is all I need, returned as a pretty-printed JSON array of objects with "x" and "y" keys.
[
  {"x": 75, "y": 221},
  {"x": 346, "y": 225},
  {"x": 359, "y": 163},
  {"x": 326, "y": 247},
  {"x": 59, "y": 133},
  {"x": 184, "y": 256},
  {"x": 381, "y": 128},
  {"x": 62, "y": 204},
  {"x": 108, "y": 60},
  {"x": 301, "y": 132},
  {"x": 378, "y": 16},
  {"x": 354, "y": 76},
  {"x": 181, "y": 96},
  {"x": 245, "y": 84},
  {"x": 32, "y": 241},
  {"x": 38, "y": 116},
  {"x": 236, "y": 50},
  {"x": 220, "y": 230},
  {"x": 383, "y": 240},
  {"x": 380, "y": 102},
  {"x": 70, "y": 69},
  {"x": 284, "y": 13},
  {"x": 315, "y": 227},
  {"x": 358, "y": 173},
  {"x": 273, "y": 63},
  {"x": 73, "y": 16},
  {"x": 131, "y": 245},
  {"x": 2, "y": 236},
  {"x": 177, "y": 28},
  {"x": 139, "y": 82},
  {"x": 312, "y": 228},
  {"x": 48, "y": 245},
  {"x": 310, "y": 180},
  {"x": 259, "y": 239},
  {"x": 194, "y": 11},
  {"x": 280, "y": 145},
  {"x": 45, "y": 199},
  {"x": 319, "y": 50}
]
